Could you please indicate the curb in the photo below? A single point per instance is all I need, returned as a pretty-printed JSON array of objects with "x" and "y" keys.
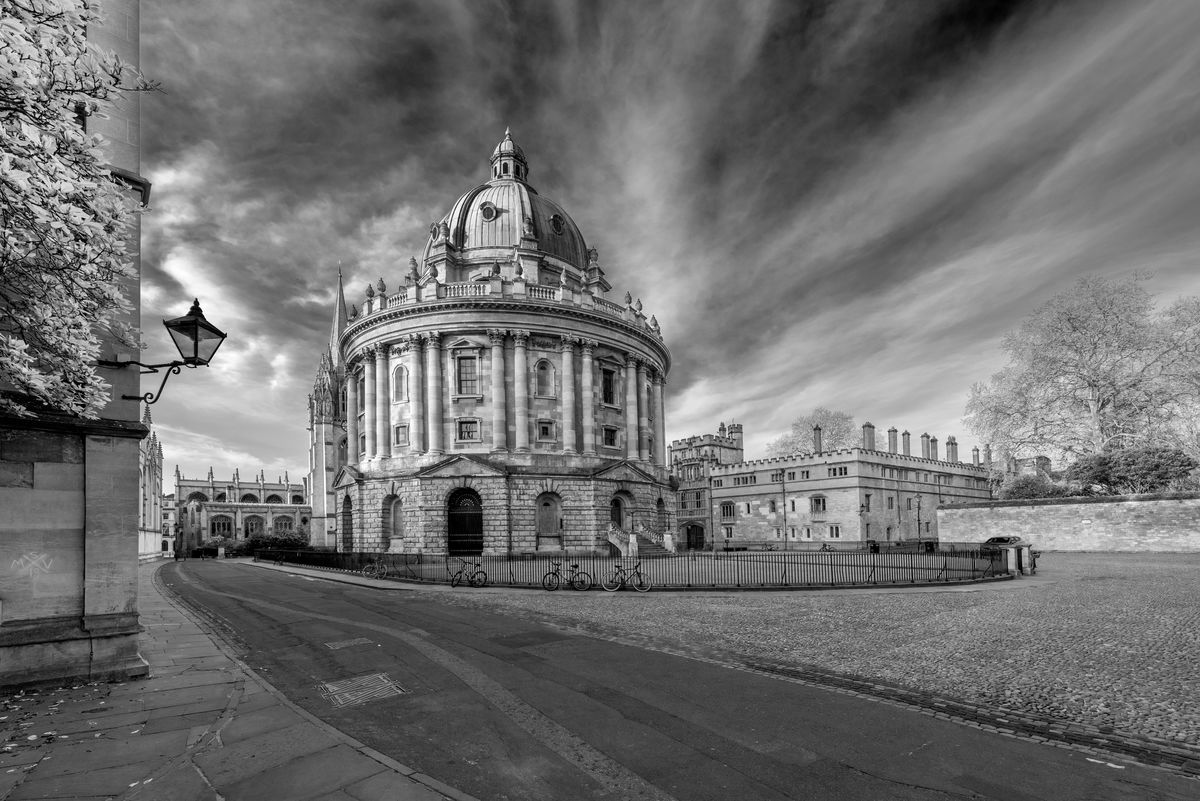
[{"x": 222, "y": 643}]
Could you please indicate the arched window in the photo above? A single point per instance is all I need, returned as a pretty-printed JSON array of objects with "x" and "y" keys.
[
  {"x": 543, "y": 373},
  {"x": 198, "y": 496},
  {"x": 253, "y": 525},
  {"x": 249, "y": 497},
  {"x": 399, "y": 384},
  {"x": 274, "y": 499},
  {"x": 220, "y": 497},
  {"x": 662, "y": 515},
  {"x": 297, "y": 499},
  {"x": 283, "y": 525},
  {"x": 341, "y": 451}
]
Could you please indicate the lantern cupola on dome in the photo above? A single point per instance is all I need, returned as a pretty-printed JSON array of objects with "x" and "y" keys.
[{"x": 508, "y": 159}]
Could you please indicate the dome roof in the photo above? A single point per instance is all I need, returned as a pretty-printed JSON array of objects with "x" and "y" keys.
[{"x": 488, "y": 222}]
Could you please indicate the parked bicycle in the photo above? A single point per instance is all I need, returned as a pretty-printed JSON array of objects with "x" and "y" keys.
[
  {"x": 374, "y": 569},
  {"x": 825, "y": 546},
  {"x": 577, "y": 579},
  {"x": 468, "y": 572},
  {"x": 633, "y": 577}
]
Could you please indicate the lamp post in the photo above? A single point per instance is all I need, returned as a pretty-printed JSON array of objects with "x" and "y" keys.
[
  {"x": 918, "y": 518},
  {"x": 197, "y": 341}
]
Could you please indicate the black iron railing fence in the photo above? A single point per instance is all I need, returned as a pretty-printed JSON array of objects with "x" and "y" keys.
[{"x": 737, "y": 570}]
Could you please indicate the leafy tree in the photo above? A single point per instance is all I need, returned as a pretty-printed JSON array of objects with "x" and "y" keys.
[
  {"x": 1029, "y": 486},
  {"x": 837, "y": 431},
  {"x": 1134, "y": 470},
  {"x": 63, "y": 219},
  {"x": 1095, "y": 369}
]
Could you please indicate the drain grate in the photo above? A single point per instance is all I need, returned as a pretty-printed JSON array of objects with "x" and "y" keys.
[
  {"x": 334, "y": 646},
  {"x": 359, "y": 690}
]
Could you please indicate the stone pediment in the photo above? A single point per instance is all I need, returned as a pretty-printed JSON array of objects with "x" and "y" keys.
[
  {"x": 346, "y": 476},
  {"x": 623, "y": 471},
  {"x": 460, "y": 466}
]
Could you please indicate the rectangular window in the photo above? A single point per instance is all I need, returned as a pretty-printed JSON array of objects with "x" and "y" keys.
[
  {"x": 803, "y": 474},
  {"x": 727, "y": 510},
  {"x": 791, "y": 475},
  {"x": 608, "y": 386},
  {"x": 468, "y": 375},
  {"x": 867, "y": 504},
  {"x": 400, "y": 435},
  {"x": 718, "y": 482},
  {"x": 771, "y": 507},
  {"x": 808, "y": 532},
  {"x": 545, "y": 430},
  {"x": 793, "y": 502},
  {"x": 468, "y": 430},
  {"x": 778, "y": 533},
  {"x": 909, "y": 504},
  {"x": 818, "y": 504},
  {"x": 891, "y": 502},
  {"x": 728, "y": 531},
  {"x": 747, "y": 508},
  {"x": 610, "y": 437},
  {"x": 835, "y": 532},
  {"x": 777, "y": 476}
]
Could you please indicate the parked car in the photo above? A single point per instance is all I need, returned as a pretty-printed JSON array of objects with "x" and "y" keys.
[{"x": 996, "y": 543}]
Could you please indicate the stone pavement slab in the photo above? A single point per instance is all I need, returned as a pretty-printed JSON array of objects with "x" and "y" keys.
[{"x": 201, "y": 727}]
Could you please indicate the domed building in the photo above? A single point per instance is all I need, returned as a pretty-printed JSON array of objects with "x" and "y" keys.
[{"x": 496, "y": 400}]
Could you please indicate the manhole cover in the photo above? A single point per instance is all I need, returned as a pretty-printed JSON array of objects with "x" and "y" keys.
[
  {"x": 333, "y": 646},
  {"x": 359, "y": 690}
]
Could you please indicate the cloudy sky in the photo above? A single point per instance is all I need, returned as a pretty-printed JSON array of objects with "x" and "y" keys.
[{"x": 842, "y": 203}]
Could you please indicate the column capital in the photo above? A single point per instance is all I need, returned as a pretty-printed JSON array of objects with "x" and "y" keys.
[
  {"x": 434, "y": 338},
  {"x": 521, "y": 338},
  {"x": 497, "y": 335},
  {"x": 568, "y": 343},
  {"x": 370, "y": 352},
  {"x": 631, "y": 360},
  {"x": 658, "y": 378},
  {"x": 413, "y": 341},
  {"x": 588, "y": 345}
]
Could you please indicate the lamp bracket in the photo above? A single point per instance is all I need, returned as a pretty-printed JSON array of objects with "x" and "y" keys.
[{"x": 172, "y": 368}]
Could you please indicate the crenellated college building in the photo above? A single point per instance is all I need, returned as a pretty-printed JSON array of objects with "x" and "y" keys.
[
  {"x": 234, "y": 509},
  {"x": 496, "y": 400},
  {"x": 822, "y": 496}
]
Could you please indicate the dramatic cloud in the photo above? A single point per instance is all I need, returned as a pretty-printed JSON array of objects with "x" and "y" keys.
[{"x": 840, "y": 204}]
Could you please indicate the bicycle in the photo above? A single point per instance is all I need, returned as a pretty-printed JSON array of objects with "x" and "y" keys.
[
  {"x": 476, "y": 577},
  {"x": 375, "y": 569},
  {"x": 634, "y": 577},
  {"x": 825, "y": 546},
  {"x": 578, "y": 579}
]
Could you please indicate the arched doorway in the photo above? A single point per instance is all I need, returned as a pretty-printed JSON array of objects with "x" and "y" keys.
[
  {"x": 347, "y": 525},
  {"x": 616, "y": 513},
  {"x": 549, "y": 521},
  {"x": 464, "y": 523},
  {"x": 694, "y": 536},
  {"x": 393, "y": 523}
]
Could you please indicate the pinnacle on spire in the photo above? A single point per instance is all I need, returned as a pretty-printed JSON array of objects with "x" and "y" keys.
[{"x": 146, "y": 415}]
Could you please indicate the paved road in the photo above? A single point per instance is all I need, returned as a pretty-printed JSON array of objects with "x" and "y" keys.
[{"x": 504, "y": 708}]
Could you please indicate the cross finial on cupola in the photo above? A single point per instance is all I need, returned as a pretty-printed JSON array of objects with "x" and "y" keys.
[{"x": 508, "y": 159}]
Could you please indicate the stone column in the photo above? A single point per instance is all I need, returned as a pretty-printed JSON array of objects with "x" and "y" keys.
[
  {"x": 433, "y": 398},
  {"x": 352, "y": 413},
  {"x": 383, "y": 401},
  {"x": 659, "y": 405},
  {"x": 588, "y": 407},
  {"x": 568, "y": 394},
  {"x": 416, "y": 395},
  {"x": 643, "y": 414},
  {"x": 370, "y": 419},
  {"x": 499, "y": 416},
  {"x": 521, "y": 388},
  {"x": 631, "y": 407}
]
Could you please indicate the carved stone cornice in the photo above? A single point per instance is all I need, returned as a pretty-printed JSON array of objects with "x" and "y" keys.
[{"x": 398, "y": 349}]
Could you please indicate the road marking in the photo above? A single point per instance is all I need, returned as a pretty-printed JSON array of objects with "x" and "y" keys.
[
  {"x": 360, "y": 689},
  {"x": 334, "y": 646},
  {"x": 1102, "y": 762}
]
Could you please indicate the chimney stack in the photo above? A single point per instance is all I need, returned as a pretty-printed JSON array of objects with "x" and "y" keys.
[
  {"x": 987, "y": 454},
  {"x": 925, "y": 446},
  {"x": 892, "y": 439},
  {"x": 951, "y": 449},
  {"x": 975, "y": 456},
  {"x": 933, "y": 449},
  {"x": 817, "y": 439},
  {"x": 907, "y": 439},
  {"x": 868, "y": 437}
]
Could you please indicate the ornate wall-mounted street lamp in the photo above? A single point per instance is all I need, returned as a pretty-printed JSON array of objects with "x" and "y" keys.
[{"x": 197, "y": 340}]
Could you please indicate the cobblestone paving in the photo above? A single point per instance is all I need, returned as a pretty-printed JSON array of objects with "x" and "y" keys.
[{"x": 1105, "y": 644}]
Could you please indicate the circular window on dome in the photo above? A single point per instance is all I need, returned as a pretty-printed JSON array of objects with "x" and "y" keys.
[
  {"x": 556, "y": 224},
  {"x": 489, "y": 211}
]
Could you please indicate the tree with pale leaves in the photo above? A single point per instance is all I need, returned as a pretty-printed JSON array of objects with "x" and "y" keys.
[
  {"x": 837, "y": 431},
  {"x": 64, "y": 220},
  {"x": 1096, "y": 369}
]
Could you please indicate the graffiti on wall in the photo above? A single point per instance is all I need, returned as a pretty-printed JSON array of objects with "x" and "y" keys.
[{"x": 32, "y": 564}]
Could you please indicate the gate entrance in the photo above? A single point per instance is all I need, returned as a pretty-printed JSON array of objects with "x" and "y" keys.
[
  {"x": 695, "y": 538},
  {"x": 347, "y": 525},
  {"x": 464, "y": 519}
]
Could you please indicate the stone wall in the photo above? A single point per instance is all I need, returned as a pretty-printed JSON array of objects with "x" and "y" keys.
[{"x": 1119, "y": 523}]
